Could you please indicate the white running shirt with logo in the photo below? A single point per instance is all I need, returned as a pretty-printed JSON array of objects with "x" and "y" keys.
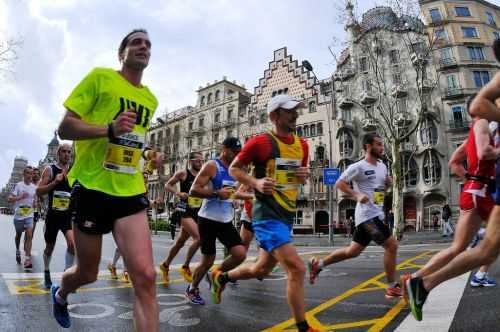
[{"x": 370, "y": 180}]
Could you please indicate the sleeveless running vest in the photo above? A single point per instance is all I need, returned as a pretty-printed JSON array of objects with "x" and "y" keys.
[
  {"x": 192, "y": 202},
  {"x": 476, "y": 167},
  {"x": 284, "y": 160},
  {"x": 59, "y": 197},
  {"x": 214, "y": 208}
]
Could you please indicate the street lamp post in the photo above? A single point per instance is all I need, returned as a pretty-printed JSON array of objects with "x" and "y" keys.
[{"x": 331, "y": 191}]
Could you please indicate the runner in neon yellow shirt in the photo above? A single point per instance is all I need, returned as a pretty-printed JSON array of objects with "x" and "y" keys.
[{"x": 107, "y": 115}]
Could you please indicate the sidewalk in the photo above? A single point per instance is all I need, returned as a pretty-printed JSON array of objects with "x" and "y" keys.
[{"x": 340, "y": 240}]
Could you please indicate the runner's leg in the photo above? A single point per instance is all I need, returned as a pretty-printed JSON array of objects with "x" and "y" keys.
[
  {"x": 484, "y": 254},
  {"x": 70, "y": 249},
  {"x": 88, "y": 255},
  {"x": 190, "y": 226},
  {"x": 133, "y": 239},
  {"x": 390, "y": 255},
  {"x": 468, "y": 225}
]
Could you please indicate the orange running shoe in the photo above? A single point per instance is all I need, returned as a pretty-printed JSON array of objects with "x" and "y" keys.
[
  {"x": 392, "y": 292},
  {"x": 112, "y": 270},
  {"x": 186, "y": 273},
  {"x": 164, "y": 274},
  {"x": 125, "y": 277}
]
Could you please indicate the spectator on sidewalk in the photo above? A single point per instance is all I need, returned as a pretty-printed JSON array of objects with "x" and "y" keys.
[{"x": 447, "y": 222}]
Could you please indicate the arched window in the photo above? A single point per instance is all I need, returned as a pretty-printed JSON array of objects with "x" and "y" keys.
[
  {"x": 209, "y": 99},
  {"x": 313, "y": 130},
  {"x": 346, "y": 144},
  {"x": 409, "y": 170},
  {"x": 202, "y": 100},
  {"x": 428, "y": 133},
  {"x": 306, "y": 131},
  {"x": 312, "y": 107},
  {"x": 320, "y": 153},
  {"x": 217, "y": 95},
  {"x": 431, "y": 168},
  {"x": 252, "y": 121},
  {"x": 319, "y": 129}
]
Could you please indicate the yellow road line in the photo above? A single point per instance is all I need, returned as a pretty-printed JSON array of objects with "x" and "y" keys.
[{"x": 365, "y": 286}]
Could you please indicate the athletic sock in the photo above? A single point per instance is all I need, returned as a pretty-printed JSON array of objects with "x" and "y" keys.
[
  {"x": 303, "y": 326},
  {"x": 68, "y": 260},
  {"x": 321, "y": 264},
  {"x": 46, "y": 261},
  {"x": 224, "y": 278},
  {"x": 480, "y": 274}
]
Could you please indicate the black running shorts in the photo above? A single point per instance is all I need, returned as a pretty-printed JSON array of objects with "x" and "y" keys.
[
  {"x": 55, "y": 222},
  {"x": 373, "y": 229},
  {"x": 95, "y": 212},
  {"x": 211, "y": 230}
]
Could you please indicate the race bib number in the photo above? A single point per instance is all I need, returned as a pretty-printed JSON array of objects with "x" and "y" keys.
[
  {"x": 378, "y": 197},
  {"x": 231, "y": 185},
  {"x": 194, "y": 202},
  {"x": 124, "y": 153},
  {"x": 284, "y": 173},
  {"x": 60, "y": 200},
  {"x": 24, "y": 211}
]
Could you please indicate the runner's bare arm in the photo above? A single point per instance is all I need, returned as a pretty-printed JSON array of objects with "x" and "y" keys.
[
  {"x": 455, "y": 163},
  {"x": 344, "y": 186},
  {"x": 484, "y": 105},
  {"x": 45, "y": 185},
  {"x": 239, "y": 173},
  {"x": 171, "y": 185},
  {"x": 207, "y": 172},
  {"x": 485, "y": 151},
  {"x": 243, "y": 192},
  {"x": 72, "y": 127}
]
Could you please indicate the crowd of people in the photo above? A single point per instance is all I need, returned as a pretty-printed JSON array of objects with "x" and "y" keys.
[{"x": 98, "y": 186}]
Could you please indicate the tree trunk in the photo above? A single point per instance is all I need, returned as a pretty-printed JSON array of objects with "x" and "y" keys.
[{"x": 397, "y": 206}]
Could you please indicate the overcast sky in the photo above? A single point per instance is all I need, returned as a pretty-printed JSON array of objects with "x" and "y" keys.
[{"x": 194, "y": 42}]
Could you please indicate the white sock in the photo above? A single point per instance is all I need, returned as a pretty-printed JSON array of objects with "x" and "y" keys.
[
  {"x": 46, "y": 261},
  {"x": 68, "y": 260},
  {"x": 480, "y": 275},
  {"x": 321, "y": 264},
  {"x": 59, "y": 298}
]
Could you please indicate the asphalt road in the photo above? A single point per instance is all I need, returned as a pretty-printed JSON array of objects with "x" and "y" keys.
[{"x": 348, "y": 296}]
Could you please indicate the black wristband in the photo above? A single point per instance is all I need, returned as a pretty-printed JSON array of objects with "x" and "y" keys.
[
  {"x": 215, "y": 194},
  {"x": 111, "y": 133}
]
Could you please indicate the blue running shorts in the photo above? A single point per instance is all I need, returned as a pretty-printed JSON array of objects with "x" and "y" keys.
[{"x": 272, "y": 234}]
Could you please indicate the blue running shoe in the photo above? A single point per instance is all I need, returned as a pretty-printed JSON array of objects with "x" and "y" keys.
[
  {"x": 487, "y": 282},
  {"x": 194, "y": 297},
  {"x": 484, "y": 282},
  {"x": 61, "y": 313}
]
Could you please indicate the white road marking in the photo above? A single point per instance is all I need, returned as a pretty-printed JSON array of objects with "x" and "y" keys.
[{"x": 439, "y": 309}]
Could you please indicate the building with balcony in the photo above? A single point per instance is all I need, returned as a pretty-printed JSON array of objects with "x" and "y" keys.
[
  {"x": 463, "y": 32},
  {"x": 425, "y": 153}
]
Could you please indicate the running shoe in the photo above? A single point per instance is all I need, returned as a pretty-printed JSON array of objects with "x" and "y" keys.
[
  {"x": 314, "y": 270},
  {"x": 125, "y": 277},
  {"x": 217, "y": 286},
  {"x": 193, "y": 295},
  {"x": 482, "y": 282},
  {"x": 164, "y": 274},
  {"x": 18, "y": 257},
  {"x": 47, "y": 282},
  {"x": 186, "y": 273},
  {"x": 60, "y": 311},
  {"x": 27, "y": 264},
  {"x": 112, "y": 270},
  {"x": 417, "y": 295},
  {"x": 392, "y": 292}
]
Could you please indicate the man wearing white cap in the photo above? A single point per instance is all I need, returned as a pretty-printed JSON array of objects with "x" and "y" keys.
[{"x": 280, "y": 160}]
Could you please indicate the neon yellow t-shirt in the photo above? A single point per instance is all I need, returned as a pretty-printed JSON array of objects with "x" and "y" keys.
[{"x": 110, "y": 167}]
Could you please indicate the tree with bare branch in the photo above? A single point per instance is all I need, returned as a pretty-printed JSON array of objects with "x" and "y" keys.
[{"x": 389, "y": 61}]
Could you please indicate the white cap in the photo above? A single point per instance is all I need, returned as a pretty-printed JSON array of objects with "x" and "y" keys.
[{"x": 283, "y": 101}]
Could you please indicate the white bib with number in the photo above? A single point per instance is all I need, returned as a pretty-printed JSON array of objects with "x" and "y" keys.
[{"x": 124, "y": 153}]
